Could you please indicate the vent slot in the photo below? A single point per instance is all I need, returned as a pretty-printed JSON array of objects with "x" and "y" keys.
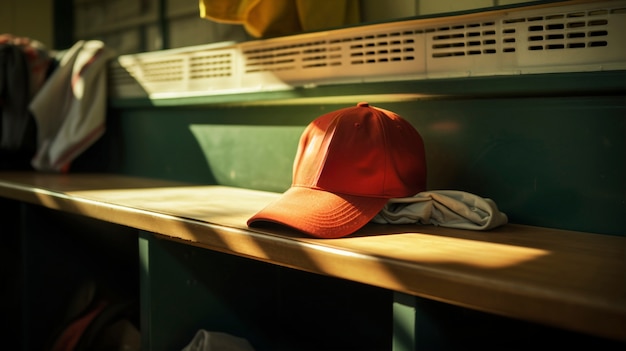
[
  {"x": 573, "y": 30},
  {"x": 381, "y": 48},
  {"x": 210, "y": 66},
  {"x": 287, "y": 57},
  {"x": 162, "y": 71},
  {"x": 121, "y": 76},
  {"x": 462, "y": 40}
]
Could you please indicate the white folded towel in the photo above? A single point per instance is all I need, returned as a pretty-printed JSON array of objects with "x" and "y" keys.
[
  {"x": 446, "y": 208},
  {"x": 70, "y": 108}
]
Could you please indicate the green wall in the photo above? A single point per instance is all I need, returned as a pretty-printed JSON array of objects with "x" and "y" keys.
[{"x": 549, "y": 149}]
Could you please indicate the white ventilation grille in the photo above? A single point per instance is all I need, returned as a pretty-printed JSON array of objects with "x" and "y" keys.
[
  {"x": 210, "y": 66},
  {"x": 273, "y": 59},
  {"x": 164, "y": 71},
  {"x": 563, "y": 37},
  {"x": 567, "y": 31},
  {"x": 461, "y": 40}
]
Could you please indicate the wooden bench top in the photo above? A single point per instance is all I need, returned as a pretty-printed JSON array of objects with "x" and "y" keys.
[{"x": 567, "y": 279}]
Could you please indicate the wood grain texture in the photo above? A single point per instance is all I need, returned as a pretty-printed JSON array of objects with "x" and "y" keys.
[{"x": 566, "y": 279}]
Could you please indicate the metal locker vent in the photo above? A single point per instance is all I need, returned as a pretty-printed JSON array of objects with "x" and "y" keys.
[
  {"x": 383, "y": 47},
  {"x": 210, "y": 65},
  {"x": 573, "y": 30},
  {"x": 286, "y": 57},
  {"x": 121, "y": 76},
  {"x": 571, "y": 36},
  {"x": 161, "y": 71},
  {"x": 464, "y": 39}
]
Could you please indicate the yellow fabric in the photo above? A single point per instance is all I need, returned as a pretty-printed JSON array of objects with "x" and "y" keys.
[
  {"x": 316, "y": 14},
  {"x": 228, "y": 11},
  {"x": 266, "y": 18}
]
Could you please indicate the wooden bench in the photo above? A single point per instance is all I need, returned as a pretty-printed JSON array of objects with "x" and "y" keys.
[{"x": 570, "y": 280}]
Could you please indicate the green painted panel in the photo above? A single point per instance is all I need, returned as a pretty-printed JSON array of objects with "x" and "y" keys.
[
  {"x": 549, "y": 148},
  {"x": 404, "y": 319},
  {"x": 555, "y": 162},
  {"x": 249, "y": 156},
  {"x": 186, "y": 289},
  {"x": 145, "y": 288},
  {"x": 424, "y": 324},
  {"x": 181, "y": 143},
  {"x": 548, "y": 161},
  {"x": 274, "y": 308}
]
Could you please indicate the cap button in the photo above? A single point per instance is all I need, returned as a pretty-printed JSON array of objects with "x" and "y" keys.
[{"x": 363, "y": 104}]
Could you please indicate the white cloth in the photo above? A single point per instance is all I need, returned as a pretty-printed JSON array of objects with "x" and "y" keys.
[
  {"x": 70, "y": 108},
  {"x": 446, "y": 208},
  {"x": 216, "y": 341}
]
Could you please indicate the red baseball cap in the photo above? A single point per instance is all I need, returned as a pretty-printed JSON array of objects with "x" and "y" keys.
[{"x": 349, "y": 163}]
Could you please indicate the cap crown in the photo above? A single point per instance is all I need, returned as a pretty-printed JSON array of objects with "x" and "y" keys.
[{"x": 363, "y": 151}]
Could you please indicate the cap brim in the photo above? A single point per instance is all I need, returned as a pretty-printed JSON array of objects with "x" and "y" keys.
[{"x": 319, "y": 213}]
